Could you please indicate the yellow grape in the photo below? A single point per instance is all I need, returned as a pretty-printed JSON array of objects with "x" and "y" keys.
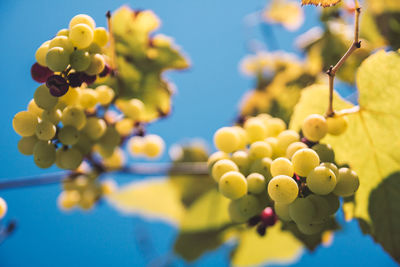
[
  {"x": 337, "y": 125},
  {"x": 88, "y": 98},
  {"x": 24, "y": 123},
  {"x": 104, "y": 94},
  {"x": 256, "y": 183},
  {"x": 321, "y": 180},
  {"x": 108, "y": 187},
  {"x": 73, "y": 116},
  {"x": 52, "y": 115},
  {"x": 3, "y": 208},
  {"x": 242, "y": 137},
  {"x": 71, "y": 97},
  {"x": 233, "y": 185},
  {"x": 265, "y": 118},
  {"x": 255, "y": 130},
  {"x": 68, "y": 199},
  {"x": 41, "y": 53},
  {"x": 63, "y": 42},
  {"x": 100, "y": 36},
  {"x": 81, "y": 35},
  {"x": 95, "y": 128},
  {"x": 282, "y": 166},
  {"x": 153, "y": 146},
  {"x": 248, "y": 206},
  {"x": 241, "y": 159},
  {"x": 331, "y": 166},
  {"x": 282, "y": 210},
  {"x": 304, "y": 161},
  {"x": 275, "y": 127},
  {"x": 82, "y": 18},
  {"x": 133, "y": 109},
  {"x": 34, "y": 109},
  {"x": 26, "y": 144},
  {"x": 124, "y": 126},
  {"x": 283, "y": 189},
  {"x": 221, "y": 167},
  {"x": 214, "y": 157},
  {"x": 63, "y": 32},
  {"x": 45, "y": 130},
  {"x": 116, "y": 160},
  {"x": 57, "y": 59},
  {"x": 293, "y": 147},
  {"x": 259, "y": 150},
  {"x": 347, "y": 183},
  {"x": 273, "y": 142},
  {"x": 97, "y": 64},
  {"x": 262, "y": 166},
  {"x": 286, "y": 138},
  {"x": 135, "y": 145},
  {"x": 314, "y": 127},
  {"x": 227, "y": 139}
]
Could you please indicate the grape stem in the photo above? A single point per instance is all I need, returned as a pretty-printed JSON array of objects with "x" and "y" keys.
[
  {"x": 138, "y": 169},
  {"x": 333, "y": 69}
]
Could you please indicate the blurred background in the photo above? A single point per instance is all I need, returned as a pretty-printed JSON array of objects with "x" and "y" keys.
[{"x": 216, "y": 36}]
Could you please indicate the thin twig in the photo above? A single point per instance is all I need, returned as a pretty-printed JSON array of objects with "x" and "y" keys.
[{"x": 333, "y": 69}]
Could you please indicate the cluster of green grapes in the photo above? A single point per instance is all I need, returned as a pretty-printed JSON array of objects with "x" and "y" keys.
[
  {"x": 268, "y": 171},
  {"x": 3, "y": 208}
]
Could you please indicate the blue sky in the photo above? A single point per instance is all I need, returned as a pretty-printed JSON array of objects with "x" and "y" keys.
[{"x": 214, "y": 36}]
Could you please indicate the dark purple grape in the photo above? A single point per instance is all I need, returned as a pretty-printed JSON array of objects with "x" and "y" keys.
[
  {"x": 40, "y": 73},
  {"x": 88, "y": 79},
  {"x": 268, "y": 216},
  {"x": 75, "y": 79},
  {"x": 253, "y": 221},
  {"x": 308, "y": 142},
  {"x": 105, "y": 71},
  {"x": 261, "y": 229},
  {"x": 57, "y": 85}
]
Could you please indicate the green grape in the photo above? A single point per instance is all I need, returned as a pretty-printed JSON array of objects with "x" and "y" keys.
[
  {"x": 57, "y": 59},
  {"x": 321, "y": 180},
  {"x": 282, "y": 210},
  {"x": 44, "y": 154},
  {"x": 334, "y": 203},
  {"x": 221, "y": 167},
  {"x": 314, "y": 127},
  {"x": 52, "y": 115},
  {"x": 241, "y": 133},
  {"x": 256, "y": 183},
  {"x": 71, "y": 158},
  {"x": 283, "y": 189},
  {"x": 44, "y": 99},
  {"x": 26, "y": 144},
  {"x": 104, "y": 94},
  {"x": 94, "y": 49},
  {"x": 347, "y": 183},
  {"x": 110, "y": 138},
  {"x": 63, "y": 42},
  {"x": 282, "y": 166},
  {"x": 286, "y": 138},
  {"x": 325, "y": 152},
  {"x": 81, "y": 35},
  {"x": 133, "y": 109},
  {"x": 337, "y": 125},
  {"x": 310, "y": 228},
  {"x": 273, "y": 142},
  {"x": 322, "y": 207},
  {"x": 41, "y": 52},
  {"x": 84, "y": 144},
  {"x": 248, "y": 206},
  {"x": 24, "y": 123},
  {"x": 58, "y": 162},
  {"x": 304, "y": 161},
  {"x": 124, "y": 126},
  {"x": 233, "y": 185},
  {"x": 100, "y": 36},
  {"x": 68, "y": 135},
  {"x": 333, "y": 168},
  {"x": 87, "y": 200},
  {"x": 84, "y": 19},
  {"x": 241, "y": 159},
  {"x": 302, "y": 210},
  {"x": 71, "y": 97},
  {"x": 88, "y": 98},
  {"x": 235, "y": 214},
  {"x": 45, "y": 130},
  {"x": 63, "y": 32},
  {"x": 293, "y": 147},
  {"x": 95, "y": 128},
  {"x": 34, "y": 109},
  {"x": 3, "y": 208},
  {"x": 104, "y": 150},
  {"x": 153, "y": 146},
  {"x": 259, "y": 150},
  {"x": 262, "y": 166},
  {"x": 226, "y": 139},
  {"x": 275, "y": 127},
  {"x": 79, "y": 60},
  {"x": 213, "y": 158},
  {"x": 68, "y": 199},
  {"x": 73, "y": 116},
  {"x": 97, "y": 64},
  {"x": 255, "y": 130}
]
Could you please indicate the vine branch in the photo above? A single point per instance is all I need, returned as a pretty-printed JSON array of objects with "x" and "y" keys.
[{"x": 333, "y": 69}]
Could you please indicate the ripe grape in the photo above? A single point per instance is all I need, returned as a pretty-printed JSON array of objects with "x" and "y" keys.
[
  {"x": 314, "y": 127},
  {"x": 73, "y": 116},
  {"x": 84, "y": 144},
  {"x": 57, "y": 59},
  {"x": 283, "y": 189},
  {"x": 108, "y": 187},
  {"x": 133, "y": 109},
  {"x": 286, "y": 138},
  {"x": 41, "y": 52},
  {"x": 331, "y": 166},
  {"x": 68, "y": 135},
  {"x": 275, "y": 127},
  {"x": 68, "y": 199},
  {"x": 255, "y": 130},
  {"x": 214, "y": 157},
  {"x": 104, "y": 94},
  {"x": 57, "y": 85},
  {"x": 282, "y": 166},
  {"x": 3, "y": 208},
  {"x": 135, "y": 147},
  {"x": 221, "y": 167},
  {"x": 325, "y": 152},
  {"x": 63, "y": 32},
  {"x": 44, "y": 154},
  {"x": 124, "y": 126},
  {"x": 75, "y": 79},
  {"x": 260, "y": 149},
  {"x": 321, "y": 205},
  {"x": 43, "y": 98},
  {"x": 63, "y": 42},
  {"x": 153, "y": 146},
  {"x": 226, "y": 139},
  {"x": 81, "y": 35},
  {"x": 304, "y": 161},
  {"x": 302, "y": 210},
  {"x": 347, "y": 183},
  {"x": 233, "y": 185},
  {"x": 235, "y": 214},
  {"x": 273, "y": 142},
  {"x": 24, "y": 123},
  {"x": 321, "y": 180},
  {"x": 97, "y": 64},
  {"x": 247, "y": 206},
  {"x": 79, "y": 60},
  {"x": 82, "y": 18},
  {"x": 52, "y": 115},
  {"x": 116, "y": 160},
  {"x": 256, "y": 183},
  {"x": 100, "y": 36},
  {"x": 241, "y": 133},
  {"x": 40, "y": 73},
  {"x": 282, "y": 210},
  {"x": 88, "y": 98},
  {"x": 70, "y": 158},
  {"x": 241, "y": 159},
  {"x": 293, "y": 147},
  {"x": 95, "y": 128},
  {"x": 26, "y": 144},
  {"x": 34, "y": 109},
  {"x": 45, "y": 130},
  {"x": 337, "y": 125},
  {"x": 110, "y": 138},
  {"x": 262, "y": 166},
  {"x": 93, "y": 49},
  {"x": 71, "y": 97}
]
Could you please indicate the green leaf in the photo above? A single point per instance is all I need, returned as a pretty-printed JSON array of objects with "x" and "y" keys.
[{"x": 384, "y": 210}]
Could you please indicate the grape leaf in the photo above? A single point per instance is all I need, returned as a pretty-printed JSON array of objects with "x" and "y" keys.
[{"x": 324, "y": 3}]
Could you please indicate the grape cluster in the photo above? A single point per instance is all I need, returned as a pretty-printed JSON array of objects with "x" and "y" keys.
[
  {"x": 3, "y": 208},
  {"x": 268, "y": 171}
]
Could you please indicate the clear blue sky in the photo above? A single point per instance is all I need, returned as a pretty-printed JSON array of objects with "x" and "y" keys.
[{"x": 213, "y": 34}]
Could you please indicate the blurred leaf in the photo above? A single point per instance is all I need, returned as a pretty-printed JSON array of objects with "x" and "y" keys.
[
  {"x": 388, "y": 24},
  {"x": 381, "y": 6},
  {"x": 384, "y": 210},
  {"x": 324, "y": 3},
  {"x": 278, "y": 10}
]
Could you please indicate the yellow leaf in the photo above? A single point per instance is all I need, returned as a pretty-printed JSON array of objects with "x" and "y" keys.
[{"x": 324, "y": 3}]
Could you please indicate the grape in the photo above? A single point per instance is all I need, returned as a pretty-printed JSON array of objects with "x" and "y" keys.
[
  {"x": 44, "y": 154},
  {"x": 88, "y": 98},
  {"x": 262, "y": 166},
  {"x": 241, "y": 133},
  {"x": 282, "y": 210},
  {"x": 3, "y": 208},
  {"x": 302, "y": 210},
  {"x": 216, "y": 156},
  {"x": 264, "y": 118},
  {"x": 96, "y": 65},
  {"x": 235, "y": 214},
  {"x": 124, "y": 126},
  {"x": 255, "y": 130},
  {"x": 84, "y": 19},
  {"x": 68, "y": 135},
  {"x": 226, "y": 139},
  {"x": 110, "y": 138},
  {"x": 116, "y": 160},
  {"x": 79, "y": 60},
  {"x": 63, "y": 32},
  {"x": 334, "y": 203},
  {"x": 40, "y": 73},
  {"x": 337, "y": 125},
  {"x": 322, "y": 207},
  {"x": 332, "y": 167},
  {"x": 321, "y": 180},
  {"x": 153, "y": 146},
  {"x": 71, "y": 158},
  {"x": 93, "y": 49},
  {"x": 314, "y": 127},
  {"x": 73, "y": 116},
  {"x": 310, "y": 228},
  {"x": 135, "y": 147},
  {"x": 45, "y": 130},
  {"x": 233, "y": 185},
  {"x": 241, "y": 159},
  {"x": 293, "y": 147},
  {"x": 104, "y": 94},
  {"x": 75, "y": 79},
  {"x": 57, "y": 85},
  {"x": 52, "y": 115},
  {"x": 325, "y": 152},
  {"x": 88, "y": 79},
  {"x": 248, "y": 206},
  {"x": 304, "y": 161},
  {"x": 256, "y": 183},
  {"x": 26, "y": 144},
  {"x": 84, "y": 144},
  {"x": 43, "y": 98},
  {"x": 283, "y": 189},
  {"x": 286, "y": 138},
  {"x": 63, "y": 42},
  {"x": 108, "y": 187},
  {"x": 71, "y": 97},
  {"x": 260, "y": 149},
  {"x": 282, "y": 166},
  {"x": 273, "y": 142},
  {"x": 347, "y": 183},
  {"x": 68, "y": 199},
  {"x": 41, "y": 52},
  {"x": 81, "y": 35},
  {"x": 275, "y": 127},
  {"x": 221, "y": 167},
  {"x": 100, "y": 36},
  {"x": 105, "y": 71},
  {"x": 34, "y": 109},
  {"x": 57, "y": 59},
  {"x": 134, "y": 109},
  {"x": 24, "y": 123},
  {"x": 95, "y": 128}
]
